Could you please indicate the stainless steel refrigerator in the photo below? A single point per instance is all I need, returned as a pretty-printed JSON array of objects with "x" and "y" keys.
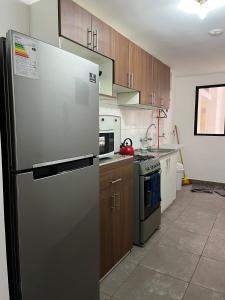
[{"x": 49, "y": 133}]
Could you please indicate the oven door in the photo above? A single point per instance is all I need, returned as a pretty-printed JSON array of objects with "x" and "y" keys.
[
  {"x": 150, "y": 196},
  {"x": 106, "y": 143}
]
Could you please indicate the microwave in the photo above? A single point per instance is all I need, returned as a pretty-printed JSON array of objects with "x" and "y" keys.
[{"x": 106, "y": 143}]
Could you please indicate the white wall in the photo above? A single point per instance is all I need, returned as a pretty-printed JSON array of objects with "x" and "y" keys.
[
  {"x": 204, "y": 156},
  {"x": 134, "y": 122},
  {"x": 46, "y": 29},
  {"x": 13, "y": 15}
]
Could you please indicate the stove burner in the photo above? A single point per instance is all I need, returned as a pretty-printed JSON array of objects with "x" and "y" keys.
[{"x": 142, "y": 157}]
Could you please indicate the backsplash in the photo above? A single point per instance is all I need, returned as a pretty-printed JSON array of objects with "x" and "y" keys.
[{"x": 134, "y": 122}]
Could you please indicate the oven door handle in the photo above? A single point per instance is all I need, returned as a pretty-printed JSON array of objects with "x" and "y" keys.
[{"x": 146, "y": 178}]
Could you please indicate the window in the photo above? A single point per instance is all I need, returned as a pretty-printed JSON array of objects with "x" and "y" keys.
[{"x": 210, "y": 110}]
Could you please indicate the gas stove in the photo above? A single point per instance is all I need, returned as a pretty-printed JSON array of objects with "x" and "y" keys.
[
  {"x": 146, "y": 163},
  {"x": 147, "y": 198}
]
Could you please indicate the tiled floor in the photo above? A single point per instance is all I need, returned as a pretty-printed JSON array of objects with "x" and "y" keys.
[{"x": 184, "y": 260}]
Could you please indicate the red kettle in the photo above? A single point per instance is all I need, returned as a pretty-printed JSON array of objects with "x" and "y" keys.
[{"x": 125, "y": 148}]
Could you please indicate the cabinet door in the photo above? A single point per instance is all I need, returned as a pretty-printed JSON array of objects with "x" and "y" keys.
[
  {"x": 155, "y": 81},
  {"x": 122, "y": 218},
  {"x": 75, "y": 23},
  {"x": 166, "y": 100},
  {"x": 121, "y": 59},
  {"x": 126, "y": 214},
  {"x": 147, "y": 89},
  {"x": 106, "y": 231},
  {"x": 116, "y": 192},
  {"x": 117, "y": 221},
  {"x": 164, "y": 183},
  {"x": 172, "y": 177},
  {"x": 136, "y": 54},
  {"x": 144, "y": 97},
  {"x": 163, "y": 85},
  {"x": 168, "y": 180},
  {"x": 101, "y": 37}
]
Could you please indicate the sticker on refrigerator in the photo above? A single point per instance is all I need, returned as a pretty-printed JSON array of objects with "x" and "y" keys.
[
  {"x": 92, "y": 77},
  {"x": 25, "y": 53}
]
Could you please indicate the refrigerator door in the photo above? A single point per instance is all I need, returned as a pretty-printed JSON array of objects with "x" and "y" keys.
[
  {"x": 54, "y": 102},
  {"x": 58, "y": 233}
]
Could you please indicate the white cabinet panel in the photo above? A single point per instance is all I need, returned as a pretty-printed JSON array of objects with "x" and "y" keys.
[{"x": 168, "y": 180}]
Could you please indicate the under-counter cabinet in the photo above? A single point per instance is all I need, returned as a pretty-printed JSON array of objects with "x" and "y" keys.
[
  {"x": 116, "y": 213},
  {"x": 168, "y": 180}
]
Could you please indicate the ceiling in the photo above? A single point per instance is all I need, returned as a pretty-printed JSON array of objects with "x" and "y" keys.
[{"x": 179, "y": 39}]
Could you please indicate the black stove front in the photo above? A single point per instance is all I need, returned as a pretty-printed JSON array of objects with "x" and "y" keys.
[{"x": 150, "y": 196}]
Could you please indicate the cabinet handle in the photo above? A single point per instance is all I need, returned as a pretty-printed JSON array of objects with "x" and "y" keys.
[
  {"x": 128, "y": 79},
  {"x": 151, "y": 99},
  {"x": 113, "y": 206},
  {"x": 132, "y": 80},
  {"x": 95, "y": 40},
  {"x": 118, "y": 197},
  {"x": 89, "y": 38},
  {"x": 115, "y": 181}
]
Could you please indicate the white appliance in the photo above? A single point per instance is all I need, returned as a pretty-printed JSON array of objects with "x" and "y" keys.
[
  {"x": 106, "y": 136},
  {"x": 109, "y": 135}
]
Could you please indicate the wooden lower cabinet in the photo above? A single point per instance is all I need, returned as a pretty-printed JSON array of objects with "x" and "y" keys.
[{"x": 116, "y": 214}]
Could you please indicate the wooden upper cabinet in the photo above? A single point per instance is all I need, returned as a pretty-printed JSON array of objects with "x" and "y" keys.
[
  {"x": 155, "y": 82},
  {"x": 75, "y": 23},
  {"x": 144, "y": 92},
  {"x": 163, "y": 85},
  {"x": 121, "y": 59},
  {"x": 136, "y": 55},
  {"x": 166, "y": 102},
  {"x": 78, "y": 25},
  {"x": 101, "y": 37},
  {"x": 133, "y": 67},
  {"x": 146, "y": 96}
]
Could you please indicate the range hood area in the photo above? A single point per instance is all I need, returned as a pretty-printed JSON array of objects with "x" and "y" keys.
[{"x": 125, "y": 96}]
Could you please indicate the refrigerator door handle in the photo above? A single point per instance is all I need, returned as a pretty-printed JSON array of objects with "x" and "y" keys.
[
  {"x": 62, "y": 166},
  {"x": 61, "y": 161}
]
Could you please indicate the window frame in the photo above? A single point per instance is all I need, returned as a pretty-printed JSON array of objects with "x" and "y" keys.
[{"x": 196, "y": 109}]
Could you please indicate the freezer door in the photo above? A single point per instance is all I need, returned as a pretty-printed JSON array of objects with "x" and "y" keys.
[
  {"x": 58, "y": 229},
  {"x": 54, "y": 102}
]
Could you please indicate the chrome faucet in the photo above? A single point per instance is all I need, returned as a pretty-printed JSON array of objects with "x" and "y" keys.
[{"x": 147, "y": 131}]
